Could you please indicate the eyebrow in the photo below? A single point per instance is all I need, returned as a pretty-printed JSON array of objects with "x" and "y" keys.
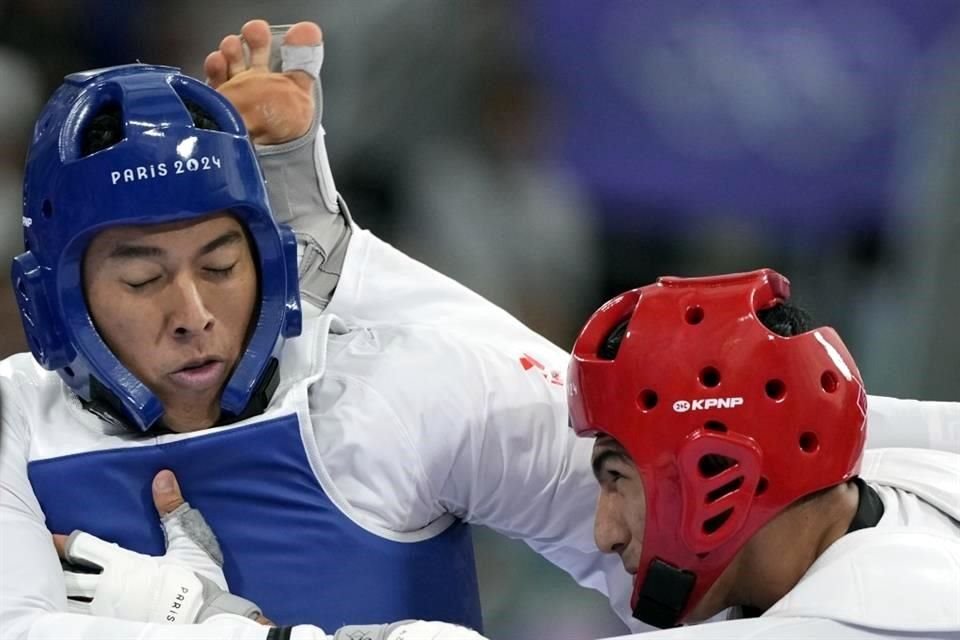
[
  {"x": 128, "y": 251},
  {"x": 607, "y": 454}
]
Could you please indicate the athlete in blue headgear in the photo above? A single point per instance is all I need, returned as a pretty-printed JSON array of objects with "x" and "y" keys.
[{"x": 337, "y": 484}]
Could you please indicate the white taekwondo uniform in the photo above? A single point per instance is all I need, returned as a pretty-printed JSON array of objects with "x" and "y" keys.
[
  {"x": 898, "y": 579},
  {"x": 409, "y": 406}
]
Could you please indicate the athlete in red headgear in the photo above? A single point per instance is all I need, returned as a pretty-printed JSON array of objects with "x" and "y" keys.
[{"x": 730, "y": 454}]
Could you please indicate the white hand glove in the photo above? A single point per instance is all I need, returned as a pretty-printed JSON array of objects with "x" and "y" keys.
[
  {"x": 423, "y": 630},
  {"x": 184, "y": 586},
  {"x": 138, "y": 587},
  {"x": 406, "y": 630},
  {"x": 192, "y": 544}
]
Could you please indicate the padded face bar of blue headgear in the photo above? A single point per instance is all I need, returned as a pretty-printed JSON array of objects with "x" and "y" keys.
[{"x": 162, "y": 169}]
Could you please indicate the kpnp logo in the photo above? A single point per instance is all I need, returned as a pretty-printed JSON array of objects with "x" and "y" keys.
[{"x": 682, "y": 406}]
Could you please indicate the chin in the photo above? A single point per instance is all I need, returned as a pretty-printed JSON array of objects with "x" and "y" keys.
[{"x": 186, "y": 422}]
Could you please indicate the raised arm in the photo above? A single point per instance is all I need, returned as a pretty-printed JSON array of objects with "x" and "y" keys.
[{"x": 486, "y": 429}]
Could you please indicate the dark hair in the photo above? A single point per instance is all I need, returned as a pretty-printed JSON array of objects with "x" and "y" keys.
[
  {"x": 106, "y": 128},
  {"x": 784, "y": 319}
]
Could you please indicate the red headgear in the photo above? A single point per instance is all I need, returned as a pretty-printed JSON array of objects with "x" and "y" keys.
[{"x": 698, "y": 380}]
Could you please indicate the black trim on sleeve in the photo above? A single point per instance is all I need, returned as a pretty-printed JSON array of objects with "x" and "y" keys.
[{"x": 279, "y": 633}]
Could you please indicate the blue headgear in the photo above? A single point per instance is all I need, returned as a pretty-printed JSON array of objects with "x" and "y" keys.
[{"x": 165, "y": 169}]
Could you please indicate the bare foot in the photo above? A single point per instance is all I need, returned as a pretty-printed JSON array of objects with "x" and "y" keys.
[{"x": 276, "y": 107}]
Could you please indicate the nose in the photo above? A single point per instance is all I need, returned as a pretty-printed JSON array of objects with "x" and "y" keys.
[
  {"x": 189, "y": 315},
  {"x": 609, "y": 528}
]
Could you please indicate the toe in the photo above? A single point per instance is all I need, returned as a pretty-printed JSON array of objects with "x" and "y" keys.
[
  {"x": 232, "y": 49},
  {"x": 304, "y": 34},
  {"x": 215, "y": 69},
  {"x": 256, "y": 33}
]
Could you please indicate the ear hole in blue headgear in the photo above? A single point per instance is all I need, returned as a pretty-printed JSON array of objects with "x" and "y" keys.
[
  {"x": 103, "y": 130},
  {"x": 198, "y": 100}
]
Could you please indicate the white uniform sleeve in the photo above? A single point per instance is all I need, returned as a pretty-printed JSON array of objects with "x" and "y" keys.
[
  {"x": 523, "y": 472},
  {"x": 33, "y": 600},
  {"x": 913, "y": 423},
  {"x": 766, "y": 627},
  {"x": 413, "y": 424},
  {"x": 383, "y": 285},
  {"x": 508, "y": 460}
]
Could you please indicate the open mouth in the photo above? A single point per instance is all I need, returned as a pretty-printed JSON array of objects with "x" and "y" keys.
[{"x": 199, "y": 375}]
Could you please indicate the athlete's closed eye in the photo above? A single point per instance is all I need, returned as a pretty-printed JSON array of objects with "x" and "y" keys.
[
  {"x": 220, "y": 272},
  {"x": 141, "y": 284}
]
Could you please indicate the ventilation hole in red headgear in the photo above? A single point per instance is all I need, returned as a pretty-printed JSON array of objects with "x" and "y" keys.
[
  {"x": 775, "y": 389},
  {"x": 809, "y": 442},
  {"x": 46, "y": 209},
  {"x": 647, "y": 399},
  {"x": 712, "y": 464},
  {"x": 701, "y": 556},
  {"x": 761, "y": 486},
  {"x": 713, "y": 524},
  {"x": 728, "y": 488},
  {"x": 829, "y": 381},
  {"x": 714, "y": 425},
  {"x": 709, "y": 377},
  {"x": 694, "y": 315}
]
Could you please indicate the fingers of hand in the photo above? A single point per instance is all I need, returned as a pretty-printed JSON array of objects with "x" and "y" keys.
[
  {"x": 431, "y": 631},
  {"x": 80, "y": 585},
  {"x": 60, "y": 544},
  {"x": 78, "y": 606},
  {"x": 167, "y": 497},
  {"x": 86, "y": 550}
]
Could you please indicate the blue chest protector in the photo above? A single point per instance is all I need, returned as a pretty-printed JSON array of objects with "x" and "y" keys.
[{"x": 286, "y": 545}]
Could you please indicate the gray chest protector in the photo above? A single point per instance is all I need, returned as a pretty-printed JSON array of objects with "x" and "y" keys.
[{"x": 300, "y": 184}]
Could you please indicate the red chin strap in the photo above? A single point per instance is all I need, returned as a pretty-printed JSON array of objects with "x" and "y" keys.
[{"x": 727, "y": 422}]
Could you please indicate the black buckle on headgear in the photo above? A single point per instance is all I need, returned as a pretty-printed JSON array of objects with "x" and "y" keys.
[{"x": 663, "y": 595}]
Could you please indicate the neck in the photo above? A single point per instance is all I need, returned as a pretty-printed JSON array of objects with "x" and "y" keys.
[
  {"x": 192, "y": 419},
  {"x": 779, "y": 555}
]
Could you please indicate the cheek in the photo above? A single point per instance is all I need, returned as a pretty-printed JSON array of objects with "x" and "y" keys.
[
  {"x": 236, "y": 307},
  {"x": 125, "y": 325},
  {"x": 636, "y": 509}
]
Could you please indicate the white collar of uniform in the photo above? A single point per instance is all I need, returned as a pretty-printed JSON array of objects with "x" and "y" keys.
[
  {"x": 894, "y": 578},
  {"x": 933, "y": 476},
  {"x": 346, "y": 296},
  {"x": 899, "y": 579},
  {"x": 305, "y": 356}
]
